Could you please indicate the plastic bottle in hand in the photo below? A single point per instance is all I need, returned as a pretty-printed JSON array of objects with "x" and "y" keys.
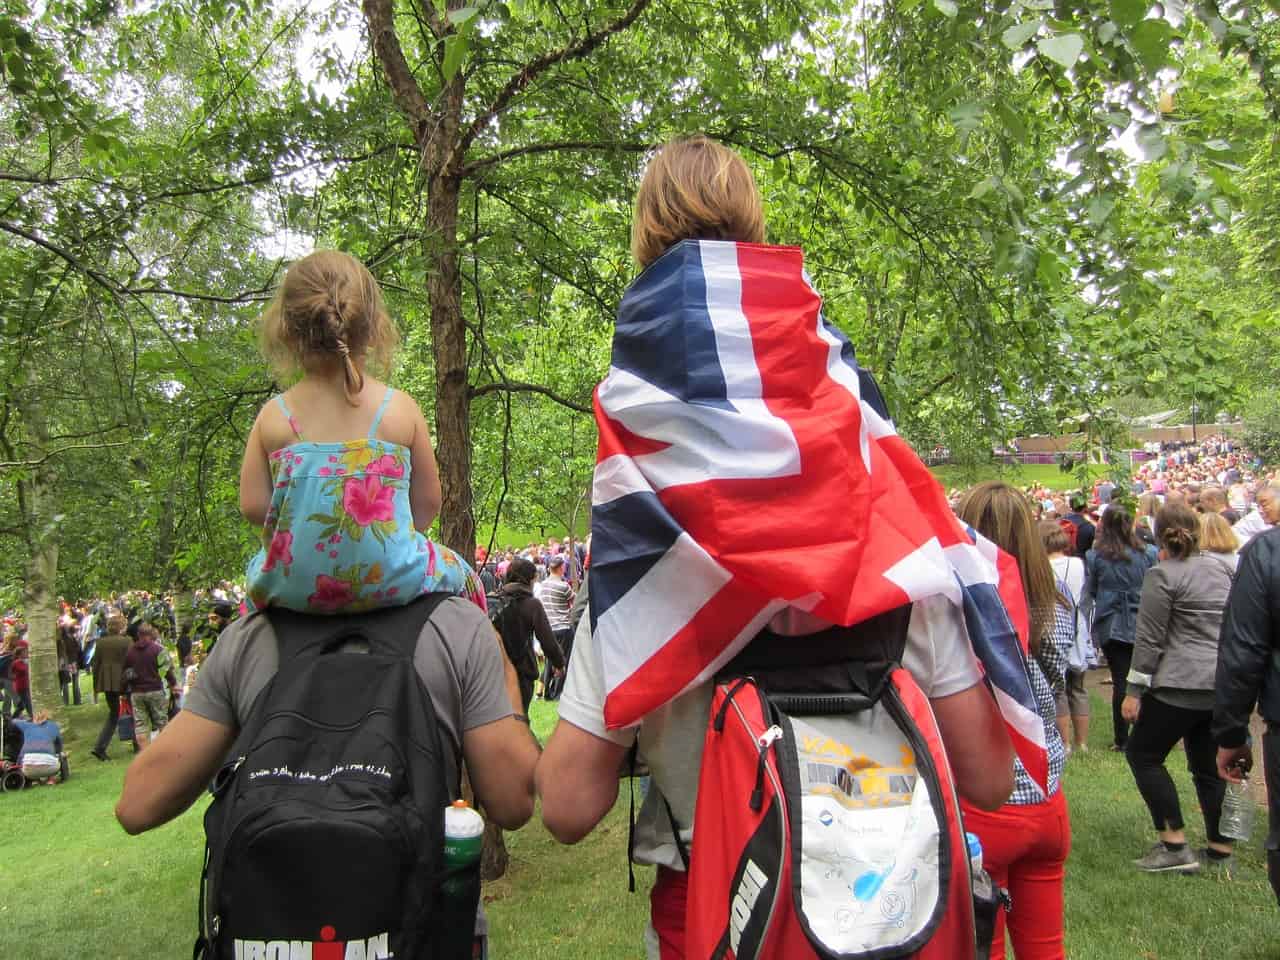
[{"x": 1236, "y": 821}]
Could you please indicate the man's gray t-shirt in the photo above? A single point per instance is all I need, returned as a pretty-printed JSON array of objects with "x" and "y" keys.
[{"x": 457, "y": 657}]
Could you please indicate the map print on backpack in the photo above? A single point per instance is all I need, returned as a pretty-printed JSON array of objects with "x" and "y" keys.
[{"x": 869, "y": 834}]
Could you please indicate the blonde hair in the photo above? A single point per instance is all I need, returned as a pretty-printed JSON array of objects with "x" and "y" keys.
[
  {"x": 1001, "y": 514},
  {"x": 1216, "y": 535},
  {"x": 328, "y": 307},
  {"x": 695, "y": 188},
  {"x": 116, "y": 623}
]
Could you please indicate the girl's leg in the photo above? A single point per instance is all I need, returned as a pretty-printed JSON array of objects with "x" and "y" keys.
[
  {"x": 1036, "y": 882},
  {"x": 1119, "y": 656},
  {"x": 1159, "y": 727},
  {"x": 1202, "y": 755}
]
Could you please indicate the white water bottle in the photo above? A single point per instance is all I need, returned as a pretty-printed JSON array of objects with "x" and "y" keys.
[
  {"x": 1236, "y": 821},
  {"x": 463, "y": 837},
  {"x": 982, "y": 888}
]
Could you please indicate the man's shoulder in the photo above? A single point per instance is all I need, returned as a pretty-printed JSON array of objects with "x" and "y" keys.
[{"x": 1263, "y": 549}]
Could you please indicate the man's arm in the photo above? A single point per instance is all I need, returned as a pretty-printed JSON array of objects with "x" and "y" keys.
[
  {"x": 1244, "y": 646},
  {"x": 978, "y": 745},
  {"x": 166, "y": 778},
  {"x": 577, "y": 781},
  {"x": 500, "y": 758}
]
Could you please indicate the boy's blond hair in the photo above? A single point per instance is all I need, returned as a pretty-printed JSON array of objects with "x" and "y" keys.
[
  {"x": 695, "y": 188},
  {"x": 328, "y": 309}
]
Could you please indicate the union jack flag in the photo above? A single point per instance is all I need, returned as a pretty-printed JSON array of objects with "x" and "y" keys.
[{"x": 747, "y": 464}]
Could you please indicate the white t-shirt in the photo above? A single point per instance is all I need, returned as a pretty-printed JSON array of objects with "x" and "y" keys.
[{"x": 937, "y": 655}]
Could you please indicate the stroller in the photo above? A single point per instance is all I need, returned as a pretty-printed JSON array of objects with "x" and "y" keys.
[{"x": 11, "y": 777}]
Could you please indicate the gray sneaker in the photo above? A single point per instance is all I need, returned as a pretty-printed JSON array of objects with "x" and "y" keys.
[
  {"x": 1155, "y": 848},
  {"x": 1163, "y": 860}
]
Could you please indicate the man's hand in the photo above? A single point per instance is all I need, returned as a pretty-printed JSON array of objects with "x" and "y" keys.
[
  {"x": 1235, "y": 762},
  {"x": 1130, "y": 707}
]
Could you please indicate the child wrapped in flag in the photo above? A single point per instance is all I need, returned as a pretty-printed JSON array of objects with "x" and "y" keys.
[{"x": 749, "y": 476}]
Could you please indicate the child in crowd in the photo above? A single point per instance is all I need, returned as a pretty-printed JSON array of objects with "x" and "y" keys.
[
  {"x": 339, "y": 471},
  {"x": 20, "y": 674}
]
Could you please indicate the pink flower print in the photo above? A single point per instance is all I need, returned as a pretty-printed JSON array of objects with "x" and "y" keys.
[
  {"x": 367, "y": 501},
  {"x": 341, "y": 471},
  {"x": 385, "y": 466},
  {"x": 332, "y": 458},
  {"x": 336, "y": 538},
  {"x": 280, "y": 551},
  {"x": 326, "y": 471},
  {"x": 333, "y": 554},
  {"x": 319, "y": 547},
  {"x": 392, "y": 591},
  {"x": 331, "y": 593}
]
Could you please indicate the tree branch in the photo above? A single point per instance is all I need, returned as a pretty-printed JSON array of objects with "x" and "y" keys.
[
  {"x": 539, "y": 65},
  {"x": 10, "y": 464},
  {"x": 509, "y": 387},
  {"x": 566, "y": 145},
  {"x": 380, "y": 16}
]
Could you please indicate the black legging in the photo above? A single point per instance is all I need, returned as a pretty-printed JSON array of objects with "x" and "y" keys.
[
  {"x": 1161, "y": 725},
  {"x": 108, "y": 725},
  {"x": 1119, "y": 656}
]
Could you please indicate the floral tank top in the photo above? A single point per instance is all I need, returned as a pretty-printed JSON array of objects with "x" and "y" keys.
[{"x": 339, "y": 534}]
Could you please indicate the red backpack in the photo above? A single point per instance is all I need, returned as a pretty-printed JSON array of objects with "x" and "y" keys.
[{"x": 827, "y": 823}]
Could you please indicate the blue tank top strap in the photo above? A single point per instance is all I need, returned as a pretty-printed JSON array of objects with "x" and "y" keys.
[
  {"x": 377, "y": 417},
  {"x": 293, "y": 424}
]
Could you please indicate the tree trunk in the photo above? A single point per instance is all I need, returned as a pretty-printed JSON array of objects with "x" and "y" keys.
[
  {"x": 449, "y": 351},
  {"x": 39, "y": 592}
]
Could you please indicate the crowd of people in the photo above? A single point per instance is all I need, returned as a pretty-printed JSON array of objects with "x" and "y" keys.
[{"x": 140, "y": 653}]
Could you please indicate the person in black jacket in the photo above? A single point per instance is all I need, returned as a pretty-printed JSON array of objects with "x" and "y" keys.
[
  {"x": 526, "y": 620},
  {"x": 1248, "y": 673}
]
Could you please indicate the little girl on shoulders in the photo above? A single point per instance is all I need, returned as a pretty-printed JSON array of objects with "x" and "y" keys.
[{"x": 339, "y": 471}]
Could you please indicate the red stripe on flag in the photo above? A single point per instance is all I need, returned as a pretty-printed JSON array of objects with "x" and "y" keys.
[
  {"x": 617, "y": 439},
  {"x": 677, "y": 663}
]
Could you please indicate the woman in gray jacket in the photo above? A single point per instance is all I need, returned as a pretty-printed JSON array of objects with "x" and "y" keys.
[{"x": 1170, "y": 689}]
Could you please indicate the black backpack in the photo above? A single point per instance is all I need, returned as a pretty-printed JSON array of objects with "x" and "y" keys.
[
  {"x": 504, "y": 614},
  {"x": 327, "y": 824}
]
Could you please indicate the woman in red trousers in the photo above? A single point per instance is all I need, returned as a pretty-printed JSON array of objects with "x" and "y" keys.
[{"x": 1025, "y": 843}]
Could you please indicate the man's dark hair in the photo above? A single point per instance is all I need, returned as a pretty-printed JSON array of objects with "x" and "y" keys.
[
  {"x": 1077, "y": 501},
  {"x": 223, "y": 609}
]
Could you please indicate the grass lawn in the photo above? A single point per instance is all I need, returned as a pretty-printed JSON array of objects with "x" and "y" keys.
[
  {"x": 73, "y": 885},
  {"x": 1047, "y": 475}
]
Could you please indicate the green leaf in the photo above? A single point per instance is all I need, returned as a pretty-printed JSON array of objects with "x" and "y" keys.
[
  {"x": 1107, "y": 31},
  {"x": 455, "y": 48},
  {"x": 948, "y": 8},
  {"x": 1012, "y": 122},
  {"x": 1063, "y": 49},
  {"x": 1099, "y": 208},
  {"x": 1221, "y": 209},
  {"x": 1151, "y": 141},
  {"x": 1150, "y": 40},
  {"x": 1016, "y": 37},
  {"x": 1219, "y": 146},
  {"x": 462, "y": 15},
  {"x": 967, "y": 117},
  {"x": 983, "y": 188},
  {"x": 1129, "y": 13}
]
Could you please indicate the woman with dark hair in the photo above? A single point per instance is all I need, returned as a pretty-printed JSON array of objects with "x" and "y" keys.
[
  {"x": 1170, "y": 690},
  {"x": 519, "y": 621},
  {"x": 1025, "y": 843},
  {"x": 1114, "y": 569}
]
